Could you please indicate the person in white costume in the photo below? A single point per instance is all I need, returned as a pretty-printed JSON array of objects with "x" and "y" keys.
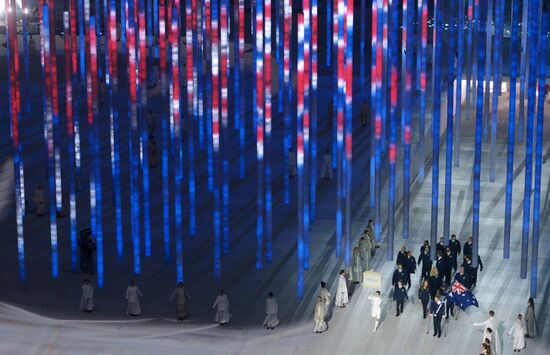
[
  {"x": 376, "y": 308},
  {"x": 87, "y": 299},
  {"x": 518, "y": 333},
  {"x": 221, "y": 304},
  {"x": 271, "y": 309},
  {"x": 325, "y": 297},
  {"x": 327, "y": 166},
  {"x": 132, "y": 295},
  {"x": 181, "y": 295},
  {"x": 319, "y": 316},
  {"x": 492, "y": 323},
  {"x": 342, "y": 291}
]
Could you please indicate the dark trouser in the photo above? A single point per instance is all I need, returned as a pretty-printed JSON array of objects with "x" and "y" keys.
[
  {"x": 448, "y": 278},
  {"x": 474, "y": 278},
  {"x": 424, "y": 307},
  {"x": 399, "y": 306},
  {"x": 437, "y": 325},
  {"x": 450, "y": 308},
  {"x": 425, "y": 271}
]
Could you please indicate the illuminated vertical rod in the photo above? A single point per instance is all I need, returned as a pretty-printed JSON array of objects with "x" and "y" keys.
[
  {"x": 279, "y": 25},
  {"x": 423, "y": 59},
  {"x": 93, "y": 74},
  {"x": 115, "y": 130},
  {"x": 24, "y": 25},
  {"x": 362, "y": 53},
  {"x": 241, "y": 97},
  {"x": 469, "y": 67},
  {"x": 329, "y": 25},
  {"x": 165, "y": 122},
  {"x": 314, "y": 118},
  {"x": 133, "y": 148},
  {"x": 340, "y": 128},
  {"x": 378, "y": 122},
  {"x": 237, "y": 66},
  {"x": 543, "y": 38},
  {"x": 534, "y": 7},
  {"x": 479, "y": 133},
  {"x": 216, "y": 135},
  {"x": 82, "y": 41},
  {"x": 267, "y": 124},
  {"x": 450, "y": 124},
  {"x": 259, "y": 115},
  {"x": 144, "y": 139},
  {"x": 190, "y": 114},
  {"x": 490, "y": 70},
  {"x": 394, "y": 83},
  {"x": 70, "y": 138},
  {"x": 349, "y": 127},
  {"x": 74, "y": 83},
  {"x": 523, "y": 70},
  {"x": 499, "y": 14},
  {"x": 334, "y": 102},
  {"x": 514, "y": 54},
  {"x": 288, "y": 98},
  {"x": 300, "y": 154},
  {"x": 373, "y": 102},
  {"x": 407, "y": 107},
  {"x": 436, "y": 121},
  {"x": 224, "y": 71},
  {"x": 404, "y": 35},
  {"x": 459, "y": 71},
  {"x": 55, "y": 111},
  {"x": 385, "y": 72},
  {"x": 48, "y": 132},
  {"x": 306, "y": 122},
  {"x": 174, "y": 42},
  {"x": 11, "y": 46}
]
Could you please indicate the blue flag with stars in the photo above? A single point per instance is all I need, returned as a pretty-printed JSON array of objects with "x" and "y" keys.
[{"x": 461, "y": 296}]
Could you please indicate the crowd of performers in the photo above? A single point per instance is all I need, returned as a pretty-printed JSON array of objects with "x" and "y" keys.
[{"x": 437, "y": 278}]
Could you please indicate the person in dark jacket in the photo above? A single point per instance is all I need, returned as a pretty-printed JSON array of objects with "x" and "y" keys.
[
  {"x": 399, "y": 275},
  {"x": 451, "y": 264},
  {"x": 399, "y": 296},
  {"x": 437, "y": 311},
  {"x": 441, "y": 245},
  {"x": 402, "y": 257},
  {"x": 426, "y": 244},
  {"x": 472, "y": 271},
  {"x": 424, "y": 297},
  {"x": 434, "y": 282},
  {"x": 462, "y": 277},
  {"x": 410, "y": 268},
  {"x": 449, "y": 305},
  {"x": 424, "y": 258},
  {"x": 467, "y": 249},
  {"x": 441, "y": 265},
  {"x": 454, "y": 244}
]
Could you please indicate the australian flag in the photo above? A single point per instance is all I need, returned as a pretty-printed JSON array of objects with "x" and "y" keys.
[{"x": 461, "y": 296}]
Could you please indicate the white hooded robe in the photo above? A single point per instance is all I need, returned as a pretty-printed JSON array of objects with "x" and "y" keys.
[
  {"x": 271, "y": 310},
  {"x": 342, "y": 292}
]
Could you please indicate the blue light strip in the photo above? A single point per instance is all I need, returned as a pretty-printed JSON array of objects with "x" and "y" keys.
[
  {"x": 299, "y": 153},
  {"x": 543, "y": 38},
  {"x": 523, "y": 71},
  {"x": 24, "y": 26},
  {"x": 123, "y": 22},
  {"x": 307, "y": 72},
  {"x": 450, "y": 123},
  {"x": 340, "y": 128},
  {"x": 514, "y": 49},
  {"x": 192, "y": 110},
  {"x": 362, "y": 53},
  {"x": 224, "y": 68},
  {"x": 482, "y": 37},
  {"x": 267, "y": 129},
  {"x": 459, "y": 70},
  {"x": 436, "y": 121},
  {"x": 259, "y": 123},
  {"x": 534, "y": 7},
  {"x": 82, "y": 41},
  {"x": 329, "y": 27},
  {"x": 279, "y": 23},
  {"x": 349, "y": 127},
  {"x": 423, "y": 79},
  {"x": 394, "y": 83},
  {"x": 48, "y": 136},
  {"x": 407, "y": 104},
  {"x": 313, "y": 115},
  {"x": 378, "y": 123},
  {"x": 373, "y": 102},
  {"x": 287, "y": 142},
  {"x": 499, "y": 14}
]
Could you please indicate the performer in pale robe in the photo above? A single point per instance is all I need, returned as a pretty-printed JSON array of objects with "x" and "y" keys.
[
  {"x": 325, "y": 297},
  {"x": 342, "y": 291},
  {"x": 87, "y": 299},
  {"x": 181, "y": 295},
  {"x": 364, "y": 249},
  {"x": 376, "y": 308},
  {"x": 221, "y": 304},
  {"x": 518, "y": 334},
  {"x": 492, "y": 323},
  {"x": 357, "y": 267},
  {"x": 327, "y": 166},
  {"x": 132, "y": 295},
  {"x": 530, "y": 320},
  {"x": 271, "y": 309},
  {"x": 319, "y": 316}
]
